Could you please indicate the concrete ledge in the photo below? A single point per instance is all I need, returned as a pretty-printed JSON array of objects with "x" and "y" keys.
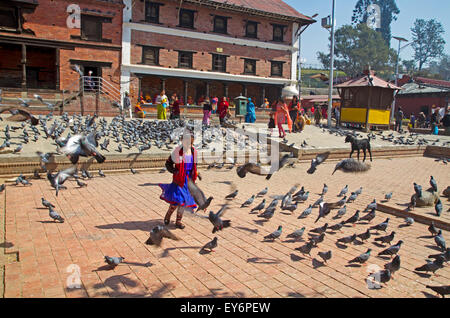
[{"x": 427, "y": 131}]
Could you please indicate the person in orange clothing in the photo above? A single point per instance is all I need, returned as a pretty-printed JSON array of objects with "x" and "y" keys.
[{"x": 282, "y": 115}]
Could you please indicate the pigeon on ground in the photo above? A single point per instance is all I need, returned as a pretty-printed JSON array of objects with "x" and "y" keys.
[
  {"x": 409, "y": 221},
  {"x": 291, "y": 207},
  {"x": 305, "y": 213},
  {"x": 268, "y": 213},
  {"x": 440, "y": 241},
  {"x": 372, "y": 205},
  {"x": 302, "y": 197},
  {"x": 321, "y": 229},
  {"x": 364, "y": 236},
  {"x": 262, "y": 192},
  {"x": 353, "y": 219},
  {"x": 445, "y": 255},
  {"x": 18, "y": 149},
  {"x": 211, "y": 245},
  {"x": 418, "y": 190},
  {"x": 2, "y": 187},
  {"x": 248, "y": 202},
  {"x": 441, "y": 290},
  {"x": 100, "y": 173},
  {"x": 343, "y": 191},
  {"x": 438, "y": 207},
  {"x": 216, "y": 220},
  {"x": 359, "y": 191},
  {"x": 347, "y": 239},
  {"x": 352, "y": 197},
  {"x": 386, "y": 239},
  {"x": 361, "y": 258},
  {"x": 318, "y": 202},
  {"x": 392, "y": 250},
  {"x": 341, "y": 212},
  {"x": 274, "y": 235},
  {"x": 46, "y": 203},
  {"x": 394, "y": 265},
  {"x": 382, "y": 226},
  {"x": 320, "y": 158},
  {"x": 433, "y": 184},
  {"x": 306, "y": 249},
  {"x": 54, "y": 215},
  {"x": 324, "y": 189},
  {"x": 81, "y": 184},
  {"x": 433, "y": 229},
  {"x": 57, "y": 180},
  {"x": 388, "y": 196},
  {"x": 158, "y": 233},
  {"x": 326, "y": 256},
  {"x": 369, "y": 216},
  {"x": 382, "y": 276},
  {"x": 113, "y": 261},
  {"x": 297, "y": 234},
  {"x": 337, "y": 227},
  {"x": 260, "y": 206},
  {"x": 431, "y": 266},
  {"x": 232, "y": 195},
  {"x": 317, "y": 239}
]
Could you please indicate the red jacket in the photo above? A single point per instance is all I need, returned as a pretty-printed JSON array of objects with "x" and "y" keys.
[
  {"x": 222, "y": 109},
  {"x": 177, "y": 159}
]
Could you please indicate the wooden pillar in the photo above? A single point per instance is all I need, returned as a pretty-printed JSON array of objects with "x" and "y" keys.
[
  {"x": 186, "y": 86},
  {"x": 24, "y": 66},
  {"x": 58, "y": 74},
  {"x": 225, "y": 90},
  {"x": 244, "y": 90},
  {"x": 368, "y": 108},
  {"x": 207, "y": 89},
  {"x": 163, "y": 84}
]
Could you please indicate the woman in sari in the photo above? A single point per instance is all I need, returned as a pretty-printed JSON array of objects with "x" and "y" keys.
[{"x": 250, "y": 117}]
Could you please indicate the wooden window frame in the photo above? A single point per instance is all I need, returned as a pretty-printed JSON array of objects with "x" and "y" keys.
[
  {"x": 191, "y": 59},
  {"x": 247, "y": 35},
  {"x": 99, "y": 20},
  {"x": 282, "y": 27},
  {"x": 272, "y": 63},
  {"x": 156, "y": 51},
  {"x": 224, "y": 68},
  {"x": 254, "y": 65},
  {"x": 225, "y": 19},
  {"x": 16, "y": 11},
  {"x": 147, "y": 17},
  {"x": 192, "y": 13}
]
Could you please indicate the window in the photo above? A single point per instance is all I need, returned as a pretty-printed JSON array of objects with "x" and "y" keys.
[
  {"x": 187, "y": 18},
  {"x": 185, "y": 59},
  {"x": 278, "y": 33},
  {"x": 251, "y": 29},
  {"x": 150, "y": 55},
  {"x": 249, "y": 66},
  {"x": 9, "y": 18},
  {"x": 91, "y": 28},
  {"x": 220, "y": 25},
  {"x": 276, "y": 69},
  {"x": 219, "y": 63},
  {"x": 152, "y": 12}
]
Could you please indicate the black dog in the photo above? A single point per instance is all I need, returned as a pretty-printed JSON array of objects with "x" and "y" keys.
[{"x": 358, "y": 145}]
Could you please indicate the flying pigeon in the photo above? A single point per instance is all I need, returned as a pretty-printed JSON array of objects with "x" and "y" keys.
[
  {"x": 198, "y": 195},
  {"x": 216, "y": 220},
  {"x": 317, "y": 161},
  {"x": 57, "y": 180},
  {"x": 158, "y": 233}
]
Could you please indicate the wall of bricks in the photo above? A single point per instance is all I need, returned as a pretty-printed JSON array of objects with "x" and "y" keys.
[{"x": 413, "y": 104}]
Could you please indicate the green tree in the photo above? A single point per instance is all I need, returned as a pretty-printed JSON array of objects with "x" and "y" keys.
[
  {"x": 358, "y": 47},
  {"x": 428, "y": 42},
  {"x": 441, "y": 68},
  {"x": 389, "y": 13}
]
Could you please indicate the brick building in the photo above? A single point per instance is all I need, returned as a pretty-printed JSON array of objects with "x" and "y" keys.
[
  {"x": 422, "y": 94},
  {"x": 217, "y": 48},
  {"x": 40, "y": 41}
]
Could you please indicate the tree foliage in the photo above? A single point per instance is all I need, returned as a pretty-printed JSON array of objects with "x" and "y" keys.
[
  {"x": 358, "y": 47},
  {"x": 428, "y": 42},
  {"x": 389, "y": 13}
]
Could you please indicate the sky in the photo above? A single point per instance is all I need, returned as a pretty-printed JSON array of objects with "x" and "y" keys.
[{"x": 315, "y": 38}]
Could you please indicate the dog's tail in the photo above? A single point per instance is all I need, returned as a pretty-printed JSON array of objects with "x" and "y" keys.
[{"x": 351, "y": 165}]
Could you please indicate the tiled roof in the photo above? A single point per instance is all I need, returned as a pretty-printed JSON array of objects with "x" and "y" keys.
[
  {"x": 270, "y": 6},
  {"x": 415, "y": 88},
  {"x": 363, "y": 81},
  {"x": 433, "y": 82}
]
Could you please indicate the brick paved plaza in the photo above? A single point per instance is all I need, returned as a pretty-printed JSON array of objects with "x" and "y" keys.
[{"x": 114, "y": 215}]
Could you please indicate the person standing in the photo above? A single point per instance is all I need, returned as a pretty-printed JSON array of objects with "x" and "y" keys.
[
  {"x": 206, "y": 111},
  {"x": 161, "y": 102},
  {"x": 250, "y": 117},
  {"x": 317, "y": 116},
  {"x": 399, "y": 120},
  {"x": 412, "y": 120},
  {"x": 90, "y": 82},
  {"x": 294, "y": 106},
  {"x": 271, "y": 122},
  {"x": 175, "y": 108},
  {"x": 338, "y": 116},
  {"x": 222, "y": 109},
  {"x": 446, "y": 121},
  {"x": 281, "y": 118},
  {"x": 434, "y": 122},
  {"x": 215, "y": 102},
  {"x": 182, "y": 163},
  {"x": 126, "y": 103}
]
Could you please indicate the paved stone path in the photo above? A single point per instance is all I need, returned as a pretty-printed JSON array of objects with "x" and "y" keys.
[{"x": 113, "y": 216}]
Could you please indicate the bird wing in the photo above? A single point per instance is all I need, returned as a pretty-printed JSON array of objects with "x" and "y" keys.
[
  {"x": 72, "y": 146},
  {"x": 196, "y": 193},
  {"x": 165, "y": 232},
  {"x": 63, "y": 175},
  {"x": 322, "y": 157}
]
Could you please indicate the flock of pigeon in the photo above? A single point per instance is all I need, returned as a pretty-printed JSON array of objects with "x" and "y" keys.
[{"x": 83, "y": 140}]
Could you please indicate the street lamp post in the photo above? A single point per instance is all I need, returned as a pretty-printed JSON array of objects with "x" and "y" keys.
[
  {"x": 330, "y": 92},
  {"x": 400, "y": 40}
]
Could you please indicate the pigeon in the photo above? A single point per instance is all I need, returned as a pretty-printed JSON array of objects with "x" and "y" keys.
[
  {"x": 84, "y": 146},
  {"x": 440, "y": 241},
  {"x": 321, "y": 229},
  {"x": 287, "y": 199},
  {"x": 394, "y": 265},
  {"x": 382, "y": 276},
  {"x": 392, "y": 250},
  {"x": 81, "y": 184},
  {"x": 324, "y": 210},
  {"x": 433, "y": 184},
  {"x": 418, "y": 190},
  {"x": 326, "y": 256},
  {"x": 232, "y": 195},
  {"x": 248, "y": 202},
  {"x": 409, "y": 221},
  {"x": 58, "y": 179},
  {"x": 262, "y": 193},
  {"x": 445, "y": 255},
  {"x": 341, "y": 212},
  {"x": 441, "y": 290},
  {"x": 386, "y": 239},
  {"x": 274, "y": 235},
  {"x": 324, "y": 189},
  {"x": 113, "y": 261},
  {"x": 318, "y": 202},
  {"x": 198, "y": 195},
  {"x": 260, "y": 206},
  {"x": 359, "y": 191},
  {"x": 364, "y": 236},
  {"x": 431, "y": 266},
  {"x": 297, "y": 234},
  {"x": 305, "y": 213},
  {"x": 100, "y": 173},
  {"x": 353, "y": 219},
  {"x": 381, "y": 227},
  {"x": 432, "y": 229},
  {"x": 18, "y": 149},
  {"x": 352, "y": 197},
  {"x": 388, "y": 196},
  {"x": 283, "y": 161},
  {"x": 158, "y": 233},
  {"x": 210, "y": 245},
  {"x": 300, "y": 192},
  {"x": 347, "y": 239},
  {"x": 46, "y": 203},
  {"x": 291, "y": 207},
  {"x": 337, "y": 227},
  {"x": 251, "y": 168},
  {"x": 369, "y": 216},
  {"x": 55, "y": 216},
  {"x": 216, "y": 220},
  {"x": 2, "y": 187},
  {"x": 302, "y": 197},
  {"x": 343, "y": 191},
  {"x": 372, "y": 205},
  {"x": 361, "y": 258},
  {"x": 25, "y": 182},
  {"x": 320, "y": 158},
  {"x": 306, "y": 249},
  {"x": 268, "y": 213},
  {"x": 438, "y": 207}
]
